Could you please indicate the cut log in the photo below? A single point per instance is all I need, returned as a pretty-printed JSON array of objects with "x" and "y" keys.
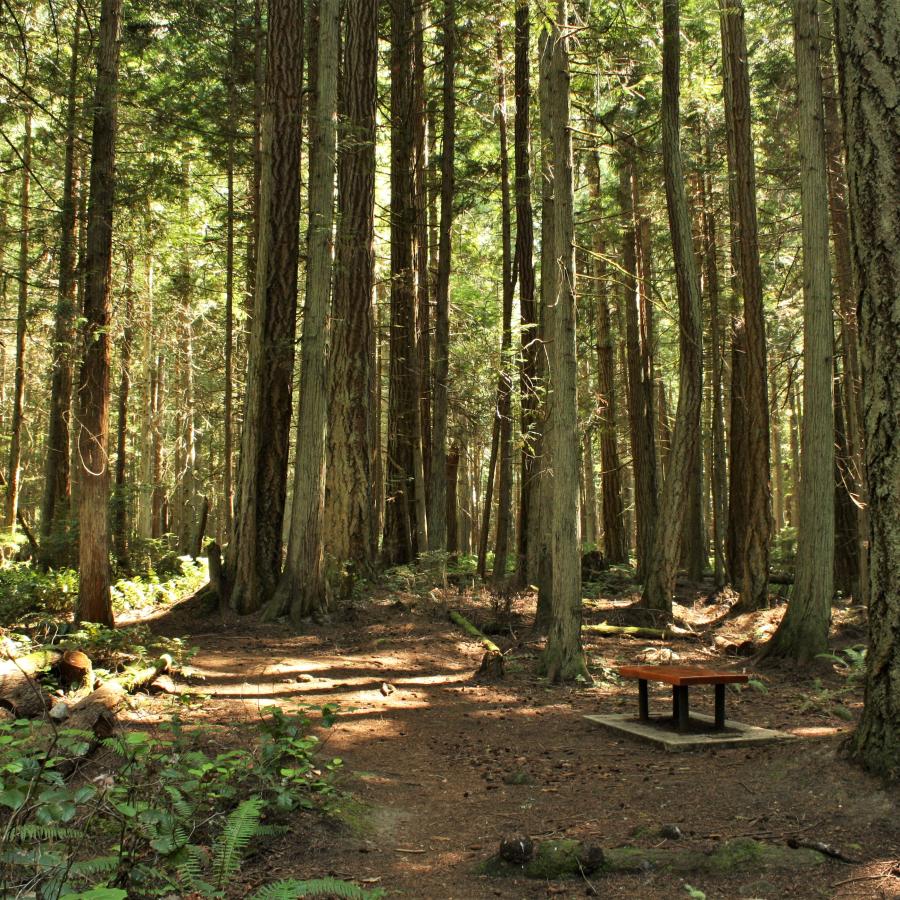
[
  {"x": 20, "y": 692},
  {"x": 492, "y": 666},
  {"x": 75, "y": 668}
]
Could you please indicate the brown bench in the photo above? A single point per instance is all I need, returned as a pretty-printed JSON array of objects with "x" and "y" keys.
[{"x": 681, "y": 678}]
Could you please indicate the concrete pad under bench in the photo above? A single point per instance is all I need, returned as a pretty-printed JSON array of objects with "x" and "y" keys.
[{"x": 661, "y": 732}]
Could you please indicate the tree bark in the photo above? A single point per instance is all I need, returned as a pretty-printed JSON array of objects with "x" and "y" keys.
[
  {"x": 867, "y": 35},
  {"x": 563, "y": 658},
  {"x": 640, "y": 389},
  {"x": 529, "y": 481},
  {"x": 120, "y": 498},
  {"x": 254, "y": 558},
  {"x": 505, "y": 380},
  {"x": 663, "y": 568},
  {"x": 18, "y": 410},
  {"x": 94, "y": 602},
  {"x": 803, "y": 632},
  {"x": 302, "y": 585},
  {"x": 749, "y": 509},
  {"x": 57, "y": 475},
  {"x": 439, "y": 525},
  {"x": 615, "y": 539},
  {"x": 401, "y": 526},
  {"x": 350, "y": 521}
]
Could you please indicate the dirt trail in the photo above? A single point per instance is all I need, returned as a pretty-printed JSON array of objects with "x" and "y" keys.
[{"x": 440, "y": 768}]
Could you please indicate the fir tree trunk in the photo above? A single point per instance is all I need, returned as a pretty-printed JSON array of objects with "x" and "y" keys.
[
  {"x": 803, "y": 632},
  {"x": 57, "y": 476},
  {"x": 663, "y": 568},
  {"x": 302, "y": 586},
  {"x": 563, "y": 657},
  {"x": 867, "y": 35},
  {"x": 120, "y": 496},
  {"x": 505, "y": 380},
  {"x": 524, "y": 264},
  {"x": 349, "y": 524},
  {"x": 18, "y": 410},
  {"x": 441, "y": 514},
  {"x": 401, "y": 527},
  {"x": 749, "y": 509},
  {"x": 94, "y": 602}
]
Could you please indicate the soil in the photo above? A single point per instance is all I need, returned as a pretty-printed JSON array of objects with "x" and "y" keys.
[{"x": 439, "y": 767}]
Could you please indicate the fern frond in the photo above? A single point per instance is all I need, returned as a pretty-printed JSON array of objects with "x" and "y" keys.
[
  {"x": 240, "y": 827},
  {"x": 292, "y": 889},
  {"x": 190, "y": 866},
  {"x": 31, "y": 831},
  {"x": 91, "y": 868}
]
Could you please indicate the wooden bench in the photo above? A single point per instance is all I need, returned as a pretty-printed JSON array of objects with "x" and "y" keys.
[{"x": 681, "y": 678}]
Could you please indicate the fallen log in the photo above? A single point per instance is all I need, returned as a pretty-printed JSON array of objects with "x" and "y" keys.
[
  {"x": 567, "y": 858},
  {"x": 20, "y": 692},
  {"x": 492, "y": 666},
  {"x": 659, "y": 634}
]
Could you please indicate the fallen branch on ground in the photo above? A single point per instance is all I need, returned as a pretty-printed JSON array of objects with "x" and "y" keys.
[
  {"x": 660, "y": 634},
  {"x": 492, "y": 661}
]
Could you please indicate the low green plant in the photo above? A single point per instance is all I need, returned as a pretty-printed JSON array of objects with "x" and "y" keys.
[{"x": 143, "y": 827}]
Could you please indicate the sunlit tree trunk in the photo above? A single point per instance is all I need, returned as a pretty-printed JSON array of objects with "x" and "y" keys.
[
  {"x": 349, "y": 524},
  {"x": 302, "y": 586},
  {"x": 94, "y": 602},
  {"x": 803, "y": 632},
  {"x": 254, "y": 559},
  {"x": 57, "y": 476},
  {"x": 563, "y": 657}
]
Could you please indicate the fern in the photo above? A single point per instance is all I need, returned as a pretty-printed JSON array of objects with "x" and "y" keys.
[
  {"x": 31, "y": 831},
  {"x": 291, "y": 889},
  {"x": 91, "y": 868},
  {"x": 240, "y": 828}
]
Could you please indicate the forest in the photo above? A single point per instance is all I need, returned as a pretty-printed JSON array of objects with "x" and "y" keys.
[{"x": 385, "y": 387}]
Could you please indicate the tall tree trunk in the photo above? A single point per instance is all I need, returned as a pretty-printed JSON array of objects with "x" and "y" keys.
[
  {"x": 401, "y": 527},
  {"x": 854, "y": 471},
  {"x": 452, "y": 496},
  {"x": 254, "y": 563},
  {"x": 867, "y": 39},
  {"x": 803, "y": 632},
  {"x": 846, "y": 532},
  {"x": 749, "y": 509},
  {"x": 660, "y": 583},
  {"x": 148, "y": 407},
  {"x": 718, "y": 475},
  {"x": 120, "y": 492},
  {"x": 349, "y": 523},
  {"x": 18, "y": 410},
  {"x": 302, "y": 585},
  {"x": 505, "y": 380},
  {"x": 438, "y": 524},
  {"x": 158, "y": 495},
  {"x": 94, "y": 602},
  {"x": 57, "y": 476},
  {"x": 529, "y": 480},
  {"x": 777, "y": 463},
  {"x": 615, "y": 539},
  {"x": 640, "y": 389},
  {"x": 563, "y": 658},
  {"x": 540, "y": 541}
]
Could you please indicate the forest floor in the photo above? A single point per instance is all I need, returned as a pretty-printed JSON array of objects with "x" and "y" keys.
[{"x": 439, "y": 767}]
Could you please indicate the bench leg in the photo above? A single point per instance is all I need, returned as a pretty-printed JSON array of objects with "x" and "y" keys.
[
  {"x": 720, "y": 707},
  {"x": 680, "y": 707},
  {"x": 643, "y": 700}
]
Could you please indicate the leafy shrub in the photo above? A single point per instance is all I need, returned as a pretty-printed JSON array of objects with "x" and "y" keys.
[{"x": 143, "y": 829}]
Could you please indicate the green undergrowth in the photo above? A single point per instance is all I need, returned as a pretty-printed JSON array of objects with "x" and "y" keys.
[{"x": 174, "y": 814}]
